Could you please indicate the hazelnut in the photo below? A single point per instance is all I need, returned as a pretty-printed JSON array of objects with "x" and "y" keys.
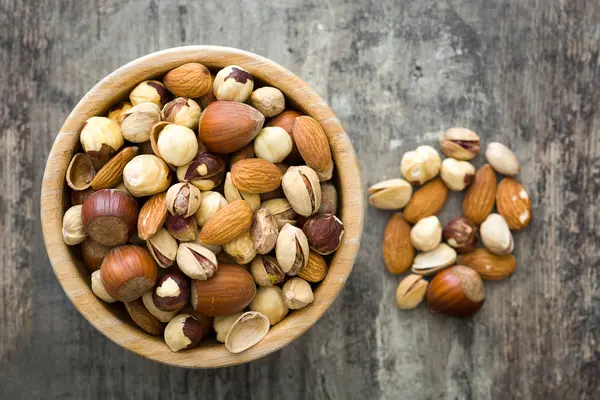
[
  {"x": 211, "y": 203},
  {"x": 241, "y": 248},
  {"x": 110, "y": 216},
  {"x": 73, "y": 230},
  {"x": 176, "y": 144},
  {"x": 232, "y": 193},
  {"x": 189, "y": 80},
  {"x": 420, "y": 165},
  {"x": 432, "y": 261},
  {"x": 268, "y": 100},
  {"x": 101, "y": 138},
  {"x": 143, "y": 317},
  {"x": 460, "y": 143},
  {"x": 411, "y": 292},
  {"x": 282, "y": 211},
  {"x": 128, "y": 272},
  {"x": 291, "y": 249},
  {"x": 269, "y": 301},
  {"x": 196, "y": 261},
  {"x": 329, "y": 200},
  {"x": 391, "y": 194},
  {"x": 98, "y": 288},
  {"x": 183, "y": 199},
  {"x": 146, "y": 175},
  {"x": 324, "y": 233},
  {"x": 80, "y": 172},
  {"x": 266, "y": 271},
  {"x": 162, "y": 316},
  {"x": 496, "y": 236},
  {"x": 457, "y": 175},
  {"x": 149, "y": 91},
  {"x": 182, "y": 229},
  {"x": 233, "y": 83},
  {"x": 163, "y": 248},
  {"x": 297, "y": 293},
  {"x": 457, "y": 291},
  {"x": 223, "y": 324},
  {"x": 138, "y": 122},
  {"x": 93, "y": 253},
  {"x": 461, "y": 234},
  {"x": 264, "y": 231},
  {"x": 172, "y": 292},
  {"x": 117, "y": 112},
  {"x": 182, "y": 111},
  {"x": 502, "y": 159},
  {"x": 426, "y": 234},
  {"x": 273, "y": 144},
  {"x": 205, "y": 171},
  {"x": 183, "y": 332},
  {"x": 302, "y": 189},
  {"x": 286, "y": 120},
  {"x": 79, "y": 196},
  {"x": 244, "y": 153},
  {"x": 249, "y": 329}
]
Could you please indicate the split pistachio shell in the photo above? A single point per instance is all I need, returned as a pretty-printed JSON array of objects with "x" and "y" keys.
[
  {"x": 249, "y": 329},
  {"x": 138, "y": 122},
  {"x": 81, "y": 172},
  {"x": 502, "y": 159},
  {"x": 266, "y": 271},
  {"x": 196, "y": 261},
  {"x": 163, "y": 248},
  {"x": 232, "y": 194},
  {"x": 391, "y": 194},
  {"x": 223, "y": 324},
  {"x": 302, "y": 189},
  {"x": 496, "y": 236},
  {"x": 291, "y": 249},
  {"x": 430, "y": 262},
  {"x": 411, "y": 292},
  {"x": 282, "y": 211},
  {"x": 264, "y": 231},
  {"x": 183, "y": 199}
]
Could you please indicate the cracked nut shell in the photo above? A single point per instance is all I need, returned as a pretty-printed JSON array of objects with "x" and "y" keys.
[{"x": 196, "y": 261}]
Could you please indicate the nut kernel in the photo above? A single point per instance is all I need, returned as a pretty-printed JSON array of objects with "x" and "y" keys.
[
  {"x": 420, "y": 165},
  {"x": 457, "y": 175},
  {"x": 426, "y": 234}
]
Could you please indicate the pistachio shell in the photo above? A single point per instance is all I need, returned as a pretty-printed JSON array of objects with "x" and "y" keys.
[
  {"x": 249, "y": 329},
  {"x": 81, "y": 172}
]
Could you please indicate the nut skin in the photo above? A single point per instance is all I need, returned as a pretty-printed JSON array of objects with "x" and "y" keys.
[
  {"x": 182, "y": 111},
  {"x": 183, "y": 332},
  {"x": 101, "y": 138},
  {"x": 411, "y": 292},
  {"x": 143, "y": 318},
  {"x": 149, "y": 91},
  {"x": 273, "y": 144},
  {"x": 183, "y": 199},
  {"x": 206, "y": 171},
  {"x": 266, "y": 271},
  {"x": 162, "y": 316},
  {"x": 291, "y": 249},
  {"x": 223, "y": 324},
  {"x": 99, "y": 290},
  {"x": 488, "y": 265},
  {"x": 456, "y": 291},
  {"x": 73, "y": 230},
  {"x": 128, "y": 272},
  {"x": 297, "y": 293},
  {"x": 398, "y": 251},
  {"x": 138, "y": 122},
  {"x": 420, "y": 165},
  {"x": 269, "y": 301},
  {"x": 233, "y": 83},
  {"x": 457, "y": 175},
  {"x": 152, "y": 216},
  {"x": 146, "y": 175},
  {"x": 282, "y": 211},
  {"x": 426, "y": 234},
  {"x": 329, "y": 199},
  {"x": 196, "y": 261},
  {"x": 211, "y": 203},
  {"x": 461, "y": 234},
  {"x": 324, "y": 233},
  {"x": 460, "y": 143},
  {"x": 93, "y": 253},
  {"x": 232, "y": 194},
  {"x": 110, "y": 216},
  {"x": 117, "y": 112},
  {"x": 264, "y": 231},
  {"x": 241, "y": 248},
  {"x": 163, "y": 248},
  {"x": 182, "y": 229},
  {"x": 172, "y": 292},
  {"x": 81, "y": 172},
  {"x": 496, "y": 236},
  {"x": 302, "y": 189},
  {"x": 391, "y": 194},
  {"x": 316, "y": 268},
  {"x": 189, "y": 80},
  {"x": 268, "y": 100},
  {"x": 502, "y": 159},
  {"x": 177, "y": 144}
]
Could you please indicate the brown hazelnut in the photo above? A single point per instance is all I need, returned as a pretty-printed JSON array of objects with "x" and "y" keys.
[
  {"x": 205, "y": 171},
  {"x": 93, "y": 253},
  {"x": 79, "y": 196},
  {"x": 456, "y": 291},
  {"x": 143, "y": 317},
  {"x": 172, "y": 292},
  {"x": 461, "y": 234},
  {"x": 182, "y": 229},
  {"x": 128, "y": 272},
  {"x": 183, "y": 332},
  {"x": 329, "y": 200},
  {"x": 183, "y": 199},
  {"x": 110, "y": 216},
  {"x": 324, "y": 233}
]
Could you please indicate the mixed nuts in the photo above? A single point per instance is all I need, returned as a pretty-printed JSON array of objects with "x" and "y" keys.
[{"x": 229, "y": 190}]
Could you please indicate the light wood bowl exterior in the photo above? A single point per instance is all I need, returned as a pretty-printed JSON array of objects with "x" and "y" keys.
[{"x": 75, "y": 279}]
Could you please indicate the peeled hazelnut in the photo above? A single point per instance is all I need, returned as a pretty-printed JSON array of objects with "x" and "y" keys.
[
  {"x": 291, "y": 249},
  {"x": 183, "y": 199},
  {"x": 146, "y": 175},
  {"x": 268, "y": 100},
  {"x": 110, "y": 216},
  {"x": 196, "y": 261},
  {"x": 457, "y": 291},
  {"x": 172, "y": 292},
  {"x": 128, "y": 272},
  {"x": 176, "y": 144},
  {"x": 461, "y": 234},
  {"x": 249, "y": 329},
  {"x": 138, "y": 122},
  {"x": 420, "y": 165},
  {"x": 162, "y": 316},
  {"x": 426, "y": 234},
  {"x": 324, "y": 233},
  {"x": 297, "y": 293},
  {"x": 273, "y": 144},
  {"x": 282, "y": 210},
  {"x": 266, "y": 271},
  {"x": 302, "y": 189},
  {"x": 430, "y": 262},
  {"x": 241, "y": 249},
  {"x": 149, "y": 91},
  {"x": 98, "y": 288},
  {"x": 457, "y": 175},
  {"x": 182, "y": 111},
  {"x": 264, "y": 231},
  {"x": 316, "y": 268},
  {"x": 117, "y": 112},
  {"x": 411, "y": 292},
  {"x": 223, "y": 324},
  {"x": 460, "y": 143},
  {"x": 232, "y": 194},
  {"x": 205, "y": 171},
  {"x": 163, "y": 248},
  {"x": 328, "y": 199},
  {"x": 183, "y": 332},
  {"x": 101, "y": 138},
  {"x": 143, "y": 317},
  {"x": 182, "y": 229},
  {"x": 391, "y": 194},
  {"x": 286, "y": 120},
  {"x": 73, "y": 230},
  {"x": 80, "y": 172},
  {"x": 244, "y": 153},
  {"x": 211, "y": 203},
  {"x": 269, "y": 301},
  {"x": 233, "y": 83},
  {"x": 502, "y": 159},
  {"x": 496, "y": 236},
  {"x": 189, "y": 80},
  {"x": 93, "y": 253}
]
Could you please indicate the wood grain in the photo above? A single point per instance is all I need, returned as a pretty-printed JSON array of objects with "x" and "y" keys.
[{"x": 396, "y": 73}]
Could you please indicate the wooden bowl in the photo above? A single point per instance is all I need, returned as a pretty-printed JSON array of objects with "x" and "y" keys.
[{"x": 75, "y": 279}]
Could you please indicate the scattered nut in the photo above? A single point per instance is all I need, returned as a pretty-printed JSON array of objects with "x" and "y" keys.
[
  {"x": 138, "y": 122},
  {"x": 420, "y": 165},
  {"x": 266, "y": 271},
  {"x": 291, "y": 249},
  {"x": 297, "y": 293},
  {"x": 273, "y": 144},
  {"x": 324, "y": 233},
  {"x": 172, "y": 292},
  {"x": 269, "y": 301},
  {"x": 391, "y": 194},
  {"x": 457, "y": 291},
  {"x": 426, "y": 234},
  {"x": 268, "y": 100},
  {"x": 183, "y": 199},
  {"x": 73, "y": 230},
  {"x": 183, "y": 332},
  {"x": 513, "y": 203},
  {"x": 502, "y": 159},
  {"x": 163, "y": 248},
  {"x": 98, "y": 288},
  {"x": 149, "y": 91},
  {"x": 430, "y": 262},
  {"x": 264, "y": 231},
  {"x": 496, "y": 236},
  {"x": 398, "y": 251},
  {"x": 411, "y": 292},
  {"x": 182, "y": 111},
  {"x": 489, "y": 266},
  {"x": 233, "y": 83},
  {"x": 460, "y": 143},
  {"x": 457, "y": 175},
  {"x": 461, "y": 234},
  {"x": 479, "y": 197},
  {"x": 428, "y": 200},
  {"x": 205, "y": 171},
  {"x": 196, "y": 261}
]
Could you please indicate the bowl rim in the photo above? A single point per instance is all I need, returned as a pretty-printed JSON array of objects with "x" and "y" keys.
[{"x": 116, "y": 85}]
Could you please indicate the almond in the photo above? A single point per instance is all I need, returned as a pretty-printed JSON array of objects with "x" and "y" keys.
[
  {"x": 316, "y": 269},
  {"x": 513, "y": 203},
  {"x": 285, "y": 120},
  {"x": 427, "y": 201},
  {"x": 227, "y": 126},
  {"x": 227, "y": 223},
  {"x": 152, "y": 215},
  {"x": 488, "y": 265},
  {"x": 255, "y": 175},
  {"x": 189, "y": 80},
  {"x": 111, "y": 174},
  {"x": 398, "y": 252},
  {"x": 479, "y": 197},
  {"x": 313, "y": 145}
]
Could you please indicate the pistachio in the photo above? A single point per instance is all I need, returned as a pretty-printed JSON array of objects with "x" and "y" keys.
[
  {"x": 232, "y": 194},
  {"x": 502, "y": 159},
  {"x": 211, "y": 203},
  {"x": 223, "y": 324},
  {"x": 461, "y": 234},
  {"x": 391, "y": 194},
  {"x": 457, "y": 175},
  {"x": 215, "y": 248},
  {"x": 430, "y": 262},
  {"x": 291, "y": 249},
  {"x": 205, "y": 171},
  {"x": 329, "y": 199},
  {"x": 496, "y": 236},
  {"x": 182, "y": 111},
  {"x": 73, "y": 230},
  {"x": 420, "y": 165},
  {"x": 241, "y": 249},
  {"x": 460, "y": 143},
  {"x": 411, "y": 292},
  {"x": 282, "y": 211},
  {"x": 264, "y": 231},
  {"x": 297, "y": 293},
  {"x": 196, "y": 261},
  {"x": 324, "y": 233},
  {"x": 163, "y": 248},
  {"x": 182, "y": 229},
  {"x": 183, "y": 199},
  {"x": 302, "y": 189},
  {"x": 426, "y": 234},
  {"x": 138, "y": 122}
]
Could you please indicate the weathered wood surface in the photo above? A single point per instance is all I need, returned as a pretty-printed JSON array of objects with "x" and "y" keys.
[{"x": 396, "y": 73}]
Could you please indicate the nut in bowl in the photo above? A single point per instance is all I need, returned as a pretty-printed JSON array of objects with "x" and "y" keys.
[{"x": 158, "y": 321}]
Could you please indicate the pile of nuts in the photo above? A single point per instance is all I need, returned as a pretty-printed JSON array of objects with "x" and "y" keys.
[
  {"x": 184, "y": 200},
  {"x": 450, "y": 254}
]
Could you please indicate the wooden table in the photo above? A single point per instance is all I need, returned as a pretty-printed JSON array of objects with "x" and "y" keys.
[{"x": 397, "y": 73}]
